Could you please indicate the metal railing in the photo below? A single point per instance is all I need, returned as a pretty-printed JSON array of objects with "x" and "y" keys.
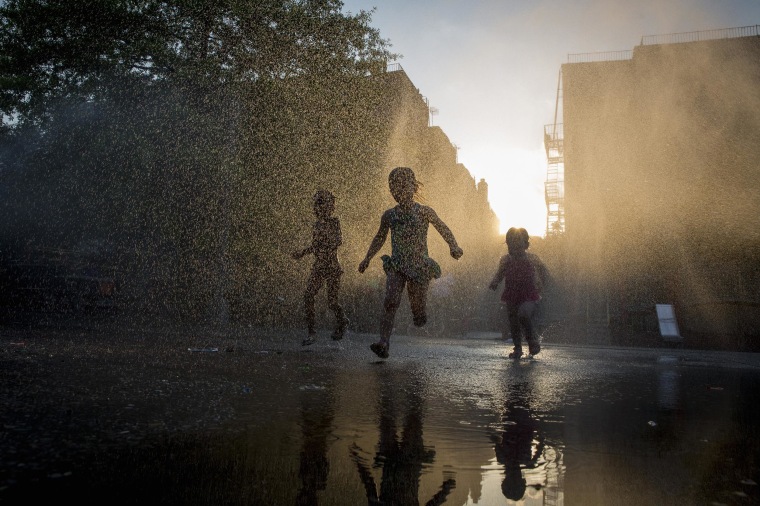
[
  {"x": 600, "y": 56},
  {"x": 723, "y": 33},
  {"x": 669, "y": 38},
  {"x": 553, "y": 132}
]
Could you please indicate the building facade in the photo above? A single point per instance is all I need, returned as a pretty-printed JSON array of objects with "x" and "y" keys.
[{"x": 662, "y": 183}]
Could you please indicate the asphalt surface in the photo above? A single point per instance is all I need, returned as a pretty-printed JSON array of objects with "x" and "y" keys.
[{"x": 131, "y": 415}]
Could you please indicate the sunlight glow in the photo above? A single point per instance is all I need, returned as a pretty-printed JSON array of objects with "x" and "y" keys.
[{"x": 515, "y": 180}]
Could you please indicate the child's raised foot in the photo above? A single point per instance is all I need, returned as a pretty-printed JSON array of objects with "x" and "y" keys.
[{"x": 380, "y": 349}]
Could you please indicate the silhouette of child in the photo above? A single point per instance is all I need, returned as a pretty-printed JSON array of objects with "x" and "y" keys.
[
  {"x": 326, "y": 237},
  {"x": 409, "y": 264},
  {"x": 524, "y": 276}
]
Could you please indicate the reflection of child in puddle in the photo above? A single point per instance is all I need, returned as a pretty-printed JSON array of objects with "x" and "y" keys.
[
  {"x": 514, "y": 447},
  {"x": 317, "y": 418},
  {"x": 401, "y": 460}
]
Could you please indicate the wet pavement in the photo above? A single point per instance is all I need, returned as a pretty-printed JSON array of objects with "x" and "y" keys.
[{"x": 442, "y": 421}]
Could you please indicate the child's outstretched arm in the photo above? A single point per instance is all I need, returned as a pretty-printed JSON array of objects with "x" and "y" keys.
[
  {"x": 445, "y": 232},
  {"x": 500, "y": 273},
  {"x": 377, "y": 241}
]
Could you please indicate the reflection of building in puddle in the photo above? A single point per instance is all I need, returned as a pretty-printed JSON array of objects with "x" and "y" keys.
[{"x": 545, "y": 481}]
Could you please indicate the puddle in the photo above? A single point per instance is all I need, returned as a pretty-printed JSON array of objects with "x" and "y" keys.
[{"x": 415, "y": 432}]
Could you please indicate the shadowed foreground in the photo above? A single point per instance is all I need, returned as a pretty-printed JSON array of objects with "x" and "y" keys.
[{"x": 128, "y": 415}]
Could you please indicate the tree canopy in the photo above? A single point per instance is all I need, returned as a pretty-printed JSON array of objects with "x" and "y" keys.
[
  {"x": 54, "y": 49},
  {"x": 185, "y": 131}
]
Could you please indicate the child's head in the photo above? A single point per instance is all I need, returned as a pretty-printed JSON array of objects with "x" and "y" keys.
[
  {"x": 518, "y": 240},
  {"x": 513, "y": 486},
  {"x": 403, "y": 184},
  {"x": 324, "y": 203}
]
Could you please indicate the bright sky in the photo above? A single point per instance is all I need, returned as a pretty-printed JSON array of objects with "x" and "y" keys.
[{"x": 490, "y": 67}]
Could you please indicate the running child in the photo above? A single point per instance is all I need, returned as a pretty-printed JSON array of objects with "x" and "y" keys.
[
  {"x": 524, "y": 276},
  {"x": 408, "y": 264},
  {"x": 326, "y": 237}
]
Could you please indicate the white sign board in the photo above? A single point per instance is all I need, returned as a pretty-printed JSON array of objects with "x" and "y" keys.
[{"x": 666, "y": 315}]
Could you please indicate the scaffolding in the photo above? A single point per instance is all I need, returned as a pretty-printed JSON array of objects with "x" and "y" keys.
[{"x": 554, "y": 187}]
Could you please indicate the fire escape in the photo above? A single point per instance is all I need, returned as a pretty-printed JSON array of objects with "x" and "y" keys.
[{"x": 554, "y": 187}]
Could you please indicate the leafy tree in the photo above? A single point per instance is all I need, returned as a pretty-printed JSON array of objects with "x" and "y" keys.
[{"x": 181, "y": 125}]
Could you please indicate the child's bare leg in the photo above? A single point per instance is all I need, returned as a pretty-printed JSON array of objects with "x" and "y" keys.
[
  {"x": 525, "y": 314},
  {"x": 312, "y": 288},
  {"x": 394, "y": 287},
  {"x": 418, "y": 301},
  {"x": 333, "y": 287},
  {"x": 504, "y": 321},
  {"x": 514, "y": 330}
]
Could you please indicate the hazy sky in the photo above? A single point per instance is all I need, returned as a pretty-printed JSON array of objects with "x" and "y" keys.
[{"x": 490, "y": 67}]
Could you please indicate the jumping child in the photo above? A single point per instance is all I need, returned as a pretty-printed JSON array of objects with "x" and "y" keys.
[
  {"x": 524, "y": 276},
  {"x": 409, "y": 264},
  {"x": 326, "y": 237}
]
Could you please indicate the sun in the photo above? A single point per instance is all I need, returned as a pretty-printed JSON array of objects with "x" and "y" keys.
[{"x": 515, "y": 180}]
